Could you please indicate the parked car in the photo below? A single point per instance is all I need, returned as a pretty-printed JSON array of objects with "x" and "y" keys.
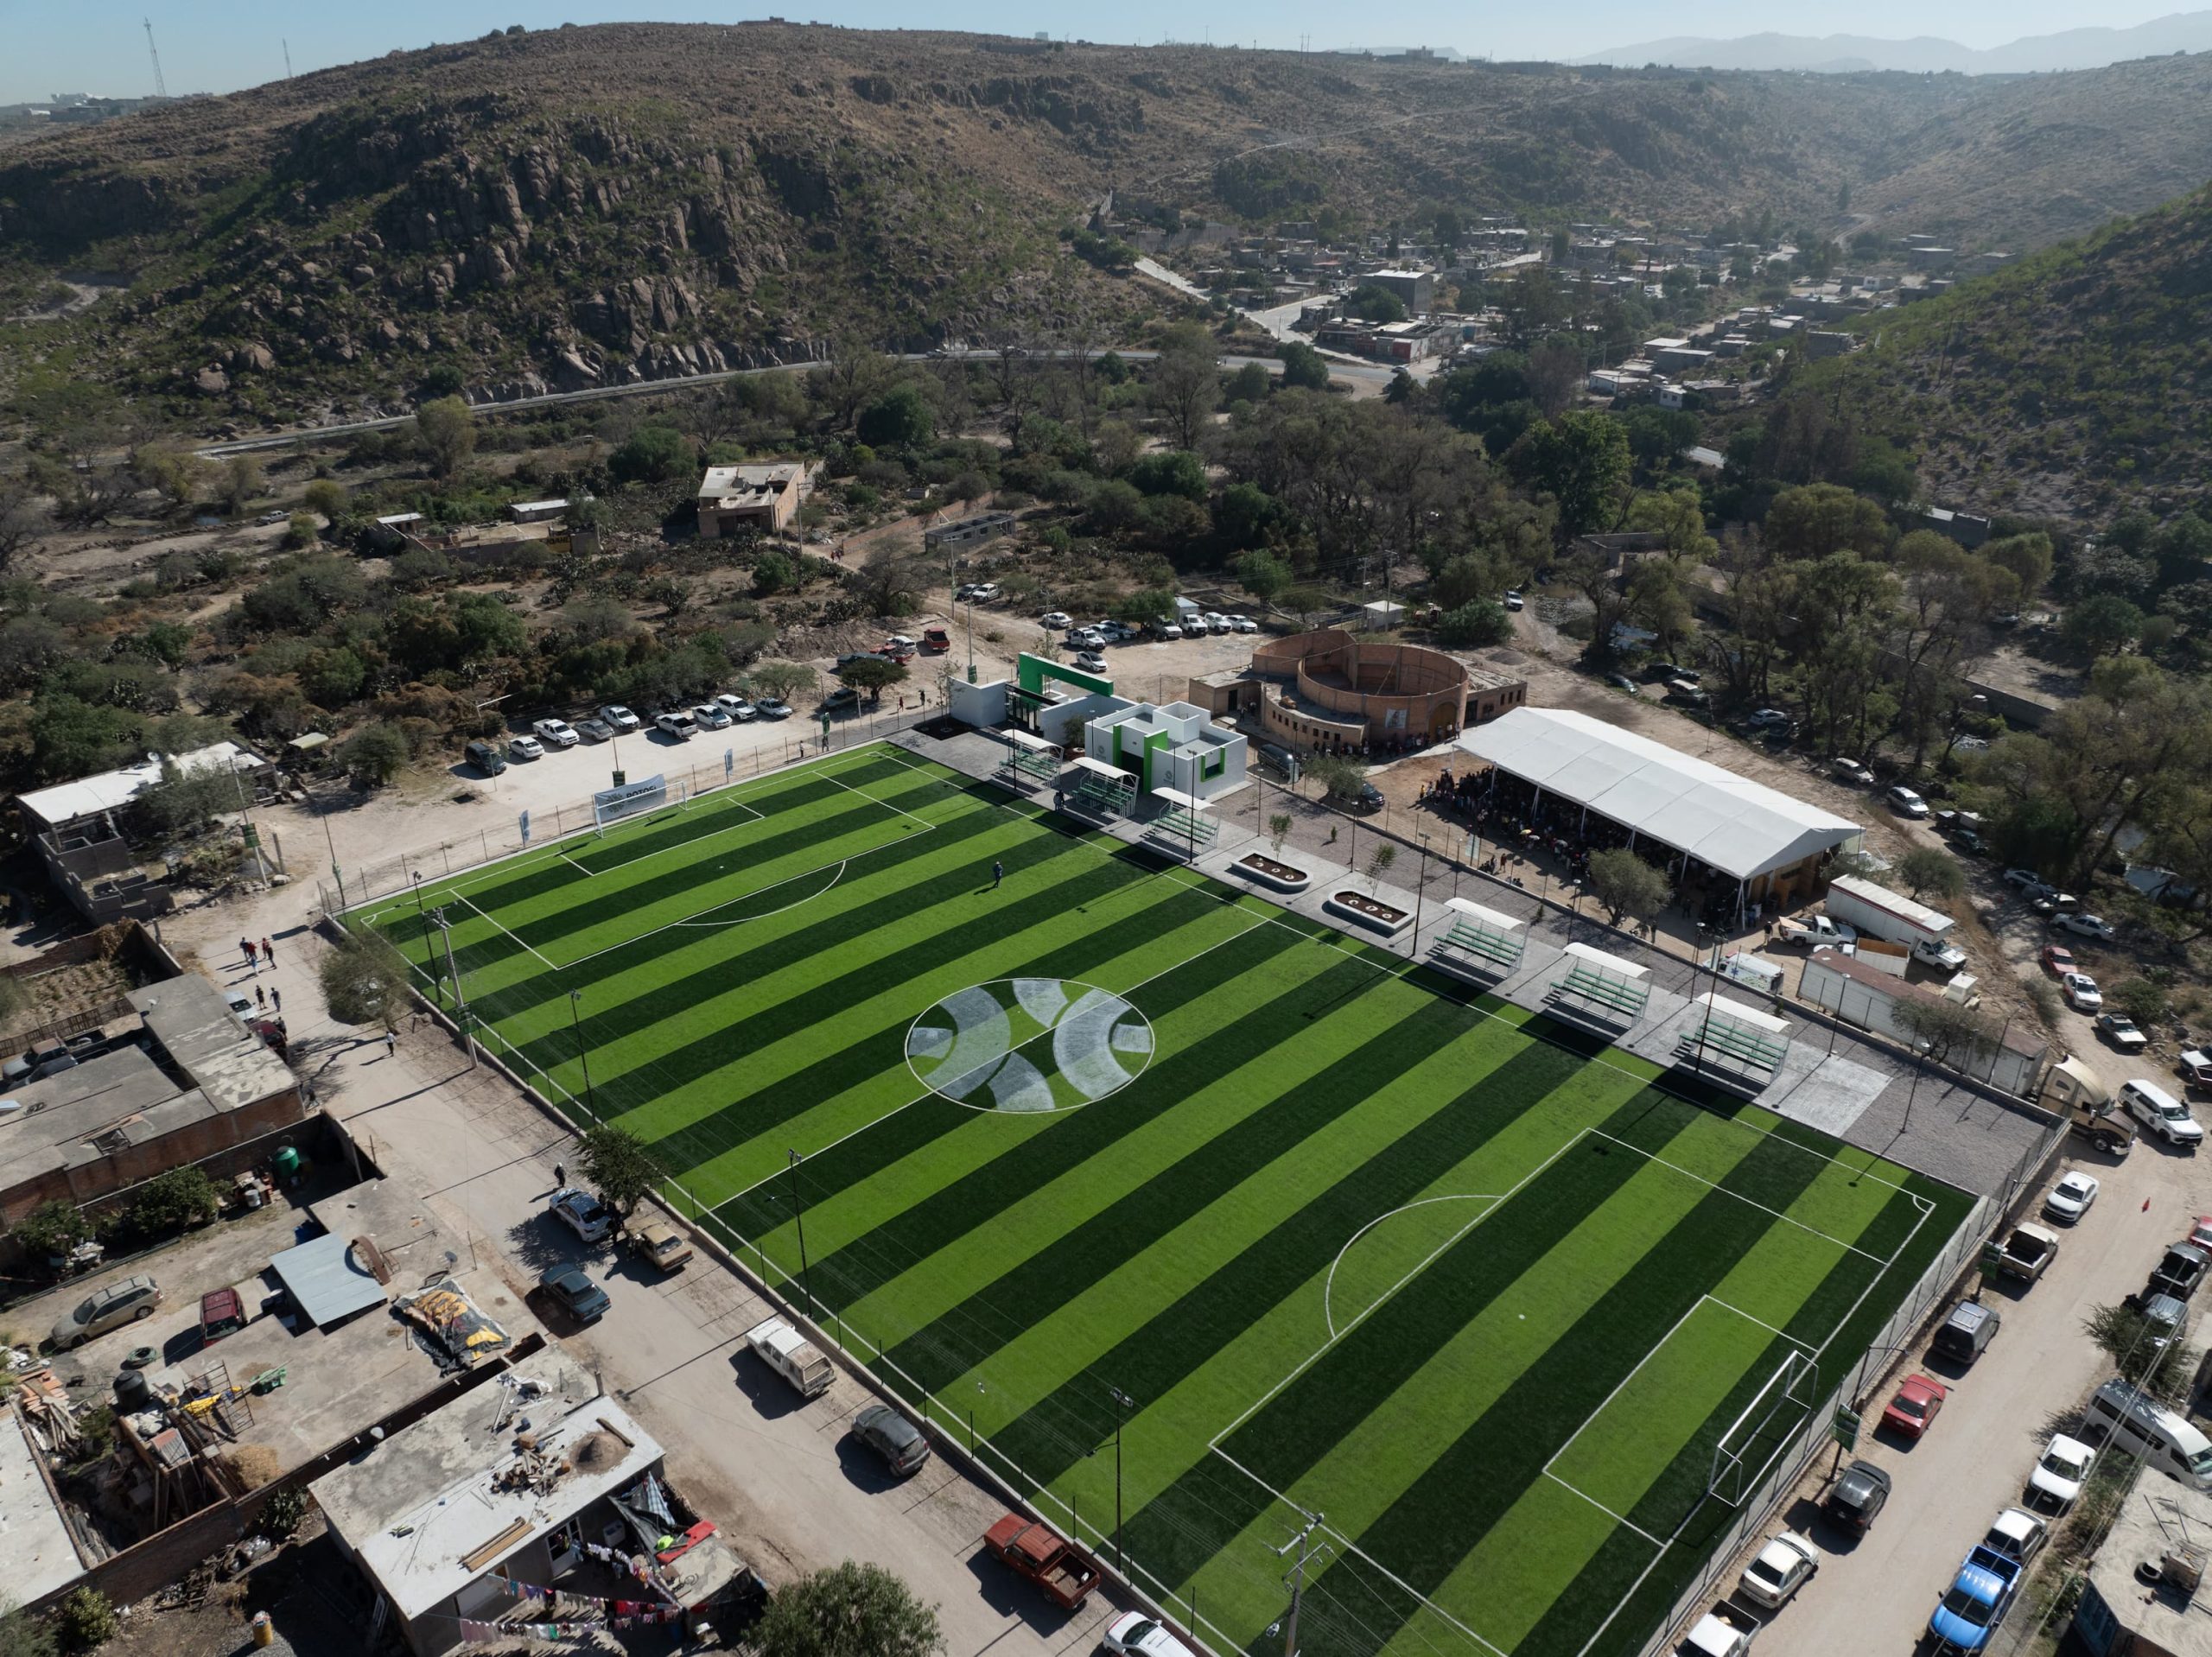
[
  {"x": 1056, "y": 619},
  {"x": 486, "y": 758},
  {"x": 1856, "y": 1499},
  {"x": 621, "y": 717},
  {"x": 1915, "y": 1408},
  {"x": 1850, "y": 769},
  {"x": 2196, "y": 1068},
  {"x": 221, "y": 1312},
  {"x": 2119, "y": 1031},
  {"x": 2200, "y": 1232},
  {"x": 2180, "y": 1271},
  {"x": 1621, "y": 681},
  {"x": 982, "y": 592},
  {"x": 892, "y": 1436},
  {"x": 1166, "y": 630},
  {"x": 1091, "y": 661},
  {"x": 843, "y": 699},
  {"x": 595, "y": 730},
  {"x": 2160, "y": 1112},
  {"x": 1243, "y": 624},
  {"x": 2059, "y": 1473},
  {"x": 659, "y": 1244},
  {"x": 1962, "y": 1336},
  {"x": 582, "y": 1213},
  {"x": 2022, "y": 879},
  {"x": 2050, "y": 900},
  {"x": 964, "y": 591},
  {"x": 1768, "y": 719},
  {"x": 575, "y": 1292},
  {"x": 1512, "y": 601},
  {"x": 2058, "y": 959},
  {"x": 2080, "y": 991},
  {"x": 1976, "y": 1601},
  {"x": 773, "y": 708},
  {"x": 1137, "y": 1635},
  {"x": 2085, "y": 926},
  {"x": 1906, "y": 803},
  {"x": 712, "y": 716},
  {"x": 676, "y": 722},
  {"x": 524, "y": 747},
  {"x": 735, "y": 705},
  {"x": 1780, "y": 1569},
  {"x": 1216, "y": 622},
  {"x": 1086, "y": 639},
  {"x": 119, "y": 1303},
  {"x": 555, "y": 733},
  {"x": 1369, "y": 801},
  {"x": 2069, "y": 1199}
]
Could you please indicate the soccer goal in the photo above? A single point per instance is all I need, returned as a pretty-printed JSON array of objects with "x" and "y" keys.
[
  {"x": 1749, "y": 1450},
  {"x": 611, "y": 805}
]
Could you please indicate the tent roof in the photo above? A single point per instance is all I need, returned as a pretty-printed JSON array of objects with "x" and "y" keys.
[{"x": 1741, "y": 828}]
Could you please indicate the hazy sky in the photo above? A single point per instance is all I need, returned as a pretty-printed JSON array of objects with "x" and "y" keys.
[{"x": 99, "y": 47}]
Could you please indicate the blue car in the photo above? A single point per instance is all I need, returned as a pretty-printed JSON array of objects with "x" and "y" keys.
[
  {"x": 1978, "y": 1598},
  {"x": 576, "y": 1294}
]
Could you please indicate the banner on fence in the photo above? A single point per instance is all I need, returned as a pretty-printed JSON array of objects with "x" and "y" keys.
[{"x": 524, "y": 821}]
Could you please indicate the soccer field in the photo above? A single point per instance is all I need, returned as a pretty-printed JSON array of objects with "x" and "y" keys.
[{"x": 1348, "y": 1238}]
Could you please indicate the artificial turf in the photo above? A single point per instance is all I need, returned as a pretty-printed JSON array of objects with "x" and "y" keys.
[{"x": 1353, "y": 1242}]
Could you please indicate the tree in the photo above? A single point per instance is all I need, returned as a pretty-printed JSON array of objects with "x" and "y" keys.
[
  {"x": 619, "y": 1168},
  {"x": 52, "y": 1229},
  {"x": 177, "y": 472},
  {"x": 1263, "y": 575},
  {"x": 1581, "y": 460},
  {"x": 1626, "y": 884},
  {"x": 2143, "y": 1000},
  {"x": 2029, "y": 557},
  {"x": 1375, "y": 304},
  {"x": 1303, "y": 367},
  {"x": 1378, "y": 864},
  {"x": 1475, "y": 625},
  {"x": 1821, "y": 518},
  {"x": 241, "y": 482},
  {"x": 326, "y": 496},
  {"x": 18, "y": 522},
  {"x": 85, "y": 1621},
  {"x": 2144, "y": 1356},
  {"x": 24, "y": 1636},
  {"x": 1278, "y": 831},
  {"x": 173, "y": 1199},
  {"x": 1341, "y": 776},
  {"x": 1306, "y": 601},
  {"x": 1185, "y": 384},
  {"x": 1946, "y": 1031},
  {"x": 2102, "y": 625},
  {"x": 653, "y": 454},
  {"x": 372, "y": 756},
  {"x": 774, "y": 572},
  {"x": 365, "y": 980},
  {"x": 445, "y": 432},
  {"x": 784, "y": 680},
  {"x": 900, "y": 418},
  {"x": 1171, "y": 471},
  {"x": 848, "y": 1610},
  {"x": 872, "y": 674},
  {"x": 1928, "y": 871},
  {"x": 1678, "y": 515}
]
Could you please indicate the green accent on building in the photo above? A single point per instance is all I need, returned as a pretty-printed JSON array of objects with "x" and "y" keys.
[
  {"x": 1141, "y": 760},
  {"x": 1031, "y": 672}
]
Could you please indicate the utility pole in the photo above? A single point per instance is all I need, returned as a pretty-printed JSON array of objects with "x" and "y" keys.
[
  {"x": 459, "y": 1001},
  {"x": 161, "y": 87},
  {"x": 1304, "y": 1543},
  {"x": 576, "y": 997},
  {"x": 1122, "y": 1401},
  {"x": 798, "y": 1211}
]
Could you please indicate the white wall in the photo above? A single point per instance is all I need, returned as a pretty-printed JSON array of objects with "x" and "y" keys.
[
  {"x": 1872, "y": 1009},
  {"x": 981, "y": 706}
]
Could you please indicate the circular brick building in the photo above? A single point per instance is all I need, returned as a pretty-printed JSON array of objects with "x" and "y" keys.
[{"x": 1332, "y": 690}]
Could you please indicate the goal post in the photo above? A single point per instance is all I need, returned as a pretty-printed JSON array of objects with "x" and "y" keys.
[
  {"x": 611, "y": 805},
  {"x": 1747, "y": 1452}
]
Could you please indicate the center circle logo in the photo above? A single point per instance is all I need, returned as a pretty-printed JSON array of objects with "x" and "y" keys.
[{"x": 1029, "y": 1044}]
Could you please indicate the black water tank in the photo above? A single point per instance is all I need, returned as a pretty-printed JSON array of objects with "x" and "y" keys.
[{"x": 131, "y": 1392}]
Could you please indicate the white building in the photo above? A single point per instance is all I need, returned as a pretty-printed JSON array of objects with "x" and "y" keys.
[{"x": 1174, "y": 745}]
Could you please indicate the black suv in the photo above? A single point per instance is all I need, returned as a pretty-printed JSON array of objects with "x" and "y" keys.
[
  {"x": 1858, "y": 1497},
  {"x": 893, "y": 1437},
  {"x": 2181, "y": 1272}
]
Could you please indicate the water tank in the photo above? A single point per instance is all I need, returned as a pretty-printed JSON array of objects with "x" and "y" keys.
[
  {"x": 286, "y": 1162},
  {"x": 131, "y": 1392}
]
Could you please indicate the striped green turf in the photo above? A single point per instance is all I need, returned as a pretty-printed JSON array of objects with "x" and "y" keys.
[{"x": 1466, "y": 1282}]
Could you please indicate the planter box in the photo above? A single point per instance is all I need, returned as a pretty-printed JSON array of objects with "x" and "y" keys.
[
  {"x": 1253, "y": 866},
  {"x": 1386, "y": 918}
]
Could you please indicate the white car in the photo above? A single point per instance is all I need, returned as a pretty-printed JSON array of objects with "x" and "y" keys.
[
  {"x": 1216, "y": 622},
  {"x": 2086, "y": 926},
  {"x": 620, "y": 717},
  {"x": 678, "y": 723},
  {"x": 2082, "y": 992},
  {"x": 1169, "y": 630},
  {"x": 1091, "y": 661},
  {"x": 1056, "y": 618},
  {"x": 736, "y": 707},
  {"x": 773, "y": 708},
  {"x": 556, "y": 734},
  {"x": 524, "y": 747},
  {"x": 712, "y": 716},
  {"x": 2069, "y": 1199},
  {"x": 1243, "y": 624},
  {"x": 982, "y": 592},
  {"x": 582, "y": 1213},
  {"x": 1768, "y": 719},
  {"x": 1512, "y": 601},
  {"x": 2059, "y": 1473},
  {"x": 1117, "y": 633},
  {"x": 2160, "y": 1112},
  {"x": 1132, "y": 1631},
  {"x": 1905, "y": 802},
  {"x": 1783, "y": 1566}
]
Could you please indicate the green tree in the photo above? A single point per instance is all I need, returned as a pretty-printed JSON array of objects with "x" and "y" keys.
[
  {"x": 1278, "y": 831},
  {"x": 2102, "y": 625},
  {"x": 1263, "y": 575},
  {"x": 1303, "y": 367},
  {"x": 1626, "y": 884},
  {"x": 2143, "y": 1000},
  {"x": 333, "y": 677},
  {"x": 52, "y": 1229},
  {"x": 872, "y": 674},
  {"x": 784, "y": 680},
  {"x": 2142, "y": 1355},
  {"x": 1249, "y": 384},
  {"x": 172, "y": 1200},
  {"x": 1185, "y": 384},
  {"x": 1931, "y": 871},
  {"x": 1306, "y": 601},
  {"x": 848, "y": 1610},
  {"x": 1379, "y": 862},
  {"x": 1245, "y": 515},
  {"x": 1474, "y": 625},
  {"x": 620, "y": 1169},
  {"x": 1375, "y": 304},
  {"x": 1678, "y": 515},
  {"x": 85, "y": 1621},
  {"x": 24, "y": 1636},
  {"x": 2029, "y": 557},
  {"x": 240, "y": 483},
  {"x": 653, "y": 454},
  {"x": 373, "y": 755},
  {"x": 1581, "y": 460},
  {"x": 1171, "y": 471},
  {"x": 326, "y": 496},
  {"x": 900, "y": 418},
  {"x": 365, "y": 980},
  {"x": 774, "y": 572},
  {"x": 1817, "y": 519},
  {"x": 445, "y": 434},
  {"x": 1341, "y": 776}
]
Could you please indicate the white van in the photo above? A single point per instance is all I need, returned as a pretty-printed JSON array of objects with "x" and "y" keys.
[
  {"x": 2160, "y": 1112},
  {"x": 2142, "y": 1426}
]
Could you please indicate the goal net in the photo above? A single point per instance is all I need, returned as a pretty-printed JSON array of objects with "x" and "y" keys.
[
  {"x": 1769, "y": 1423},
  {"x": 611, "y": 805}
]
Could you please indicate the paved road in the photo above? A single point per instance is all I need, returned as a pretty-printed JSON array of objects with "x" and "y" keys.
[{"x": 1874, "y": 1597}]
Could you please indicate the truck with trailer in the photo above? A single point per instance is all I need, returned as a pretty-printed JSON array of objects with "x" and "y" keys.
[
  {"x": 1877, "y": 912},
  {"x": 792, "y": 1356},
  {"x": 2071, "y": 1090},
  {"x": 1038, "y": 1551}
]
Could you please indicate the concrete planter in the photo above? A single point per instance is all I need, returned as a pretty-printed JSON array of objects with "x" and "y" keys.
[
  {"x": 1386, "y": 918},
  {"x": 1267, "y": 872}
]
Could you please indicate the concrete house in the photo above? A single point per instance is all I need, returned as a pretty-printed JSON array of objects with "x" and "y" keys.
[{"x": 735, "y": 500}]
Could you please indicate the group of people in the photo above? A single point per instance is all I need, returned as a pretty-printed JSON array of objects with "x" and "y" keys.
[{"x": 258, "y": 954}]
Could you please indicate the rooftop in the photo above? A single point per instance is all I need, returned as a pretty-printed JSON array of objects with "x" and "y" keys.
[
  {"x": 738, "y": 481},
  {"x": 227, "y": 1062},
  {"x": 1868, "y": 976},
  {"x": 67, "y": 801},
  {"x": 40, "y": 1556},
  {"x": 2158, "y": 1515},
  {"x": 436, "y": 1482}
]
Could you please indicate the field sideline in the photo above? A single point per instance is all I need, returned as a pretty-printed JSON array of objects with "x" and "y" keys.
[{"x": 1349, "y": 1240}]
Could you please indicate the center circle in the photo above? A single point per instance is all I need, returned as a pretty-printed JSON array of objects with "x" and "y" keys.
[{"x": 1030, "y": 1044}]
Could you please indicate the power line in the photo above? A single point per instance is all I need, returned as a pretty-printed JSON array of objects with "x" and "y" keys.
[{"x": 161, "y": 87}]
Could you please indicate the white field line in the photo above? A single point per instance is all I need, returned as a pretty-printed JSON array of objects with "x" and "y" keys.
[
  {"x": 1328, "y": 1284},
  {"x": 1629, "y": 1594},
  {"x": 865, "y": 795},
  {"x": 1779, "y": 1214},
  {"x": 1621, "y": 1520},
  {"x": 577, "y": 867},
  {"x": 771, "y": 914},
  {"x": 1842, "y": 1323},
  {"x": 495, "y": 925}
]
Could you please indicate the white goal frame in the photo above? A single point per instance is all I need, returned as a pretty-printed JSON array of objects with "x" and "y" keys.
[{"x": 1795, "y": 1381}]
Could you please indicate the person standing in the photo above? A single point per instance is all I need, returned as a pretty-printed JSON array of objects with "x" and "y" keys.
[
  {"x": 268, "y": 952},
  {"x": 259, "y": 999},
  {"x": 276, "y": 1000},
  {"x": 560, "y": 1176},
  {"x": 392, "y": 1043},
  {"x": 246, "y": 944},
  {"x": 998, "y": 873}
]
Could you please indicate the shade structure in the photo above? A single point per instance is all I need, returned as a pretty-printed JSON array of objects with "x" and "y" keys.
[
  {"x": 1728, "y": 822},
  {"x": 1176, "y": 797}
]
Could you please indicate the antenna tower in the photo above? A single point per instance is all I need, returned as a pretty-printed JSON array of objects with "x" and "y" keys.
[
  {"x": 288, "y": 59},
  {"x": 161, "y": 87}
]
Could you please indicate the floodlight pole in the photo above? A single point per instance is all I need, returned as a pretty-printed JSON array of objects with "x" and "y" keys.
[
  {"x": 430, "y": 949},
  {"x": 1122, "y": 1401},
  {"x": 591, "y": 1098},
  {"x": 1413, "y": 950},
  {"x": 798, "y": 1210},
  {"x": 459, "y": 1001}
]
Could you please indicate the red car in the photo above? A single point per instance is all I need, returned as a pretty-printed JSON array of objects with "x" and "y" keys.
[
  {"x": 1914, "y": 1407},
  {"x": 2200, "y": 1232},
  {"x": 2057, "y": 960}
]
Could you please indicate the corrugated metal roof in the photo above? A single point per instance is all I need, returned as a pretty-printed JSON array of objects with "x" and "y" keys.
[
  {"x": 67, "y": 801},
  {"x": 325, "y": 1282}
]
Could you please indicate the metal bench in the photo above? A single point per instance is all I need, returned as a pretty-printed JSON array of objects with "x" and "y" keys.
[
  {"x": 1477, "y": 941},
  {"x": 1026, "y": 762},
  {"x": 1611, "y": 993},
  {"x": 1733, "y": 1041},
  {"x": 1186, "y": 826}
]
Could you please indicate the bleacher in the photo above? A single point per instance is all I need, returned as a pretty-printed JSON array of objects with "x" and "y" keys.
[
  {"x": 1603, "y": 991},
  {"x": 1026, "y": 762},
  {"x": 1106, "y": 795},
  {"x": 1731, "y": 1040},
  {"x": 1492, "y": 950},
  {"x": 1183, "y": 828}
]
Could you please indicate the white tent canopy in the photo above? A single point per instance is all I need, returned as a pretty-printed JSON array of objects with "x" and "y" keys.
[{"x": 1728, "y": 822}]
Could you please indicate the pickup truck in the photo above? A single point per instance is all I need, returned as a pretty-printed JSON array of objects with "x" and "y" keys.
[
  {"x": 1047, "y": 1559},
  {"x": 2026, "y": 1252},
  {"x": 1726, "y": 1630},
  {"x": 792, "y": 1356},
  {"x": 1817, "y": 929},
  {"x": 1975, "y": 1603}
]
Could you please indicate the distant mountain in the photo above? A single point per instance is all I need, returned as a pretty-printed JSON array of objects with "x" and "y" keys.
[{"x": 2073, "y": 48}]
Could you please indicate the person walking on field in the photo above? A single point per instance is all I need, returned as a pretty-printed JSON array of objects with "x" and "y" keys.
[{"x": 998, "y": 873}]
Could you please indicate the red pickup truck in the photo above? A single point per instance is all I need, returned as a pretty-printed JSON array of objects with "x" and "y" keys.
[{"x": 1047, "y": 1557}]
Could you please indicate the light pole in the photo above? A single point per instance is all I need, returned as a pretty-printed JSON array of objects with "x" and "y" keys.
[
  {"x": 798, "y": 1212},
  {"x": 430, "y": 949},
  {"x": 323, "y": 812},
  {"x": 1413, "y": 950},
  {"x": 459, "y": 1002},
  {"x": 1122, "y": 1401},
  {"x": 591, "y": 1098}
]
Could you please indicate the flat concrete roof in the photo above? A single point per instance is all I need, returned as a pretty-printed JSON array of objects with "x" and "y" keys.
[
  {"x": 227, "y": 1062},
  {"x": 392, "y": 1217},
  {"x": 40, "y": 1557},
  {"x": 121, "y": 1097},
  {"x": 2158, "y": 1514},
  {"x": 434, "y": 1482}
]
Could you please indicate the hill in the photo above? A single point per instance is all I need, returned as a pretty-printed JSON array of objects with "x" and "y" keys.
[
  {"x": 2071, "y": 48},
  {"x": 583, "y": 205},
  {"x": 2069, "y": 384}
]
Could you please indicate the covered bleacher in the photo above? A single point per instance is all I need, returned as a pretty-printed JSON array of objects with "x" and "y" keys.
[
  {"x": 1103, "y": 788},
  {"x": 1479, "y": 940},
  {"x": 1731, "y": 1043},
  {"x": 1184, "y": 825},
  {"x": 1030, "y": 757},
  {"x": 1607, "y": 987}
]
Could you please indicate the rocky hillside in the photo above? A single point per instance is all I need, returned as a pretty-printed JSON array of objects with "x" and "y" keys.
[
  {"x": 2070, "y": 385},
  {"x": 582, "y": 205}
]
